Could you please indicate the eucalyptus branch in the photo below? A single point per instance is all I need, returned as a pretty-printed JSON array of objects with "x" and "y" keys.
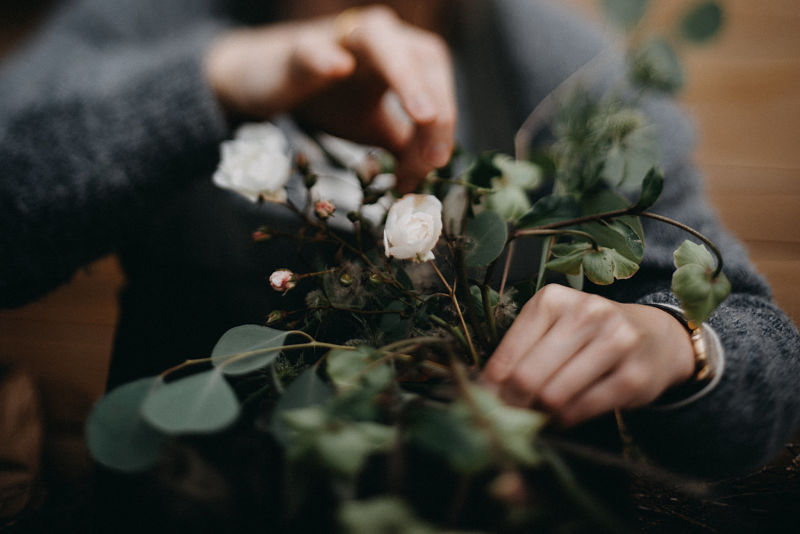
[{"x": 184, "y": 365}]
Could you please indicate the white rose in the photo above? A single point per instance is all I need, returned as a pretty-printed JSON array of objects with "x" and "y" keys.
[
  {"x": 413, "y": 227},
  {"x": 255, "y": 163}
]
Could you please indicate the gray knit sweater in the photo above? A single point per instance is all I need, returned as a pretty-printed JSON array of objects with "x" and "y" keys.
[{"x": 109, "y": 133}]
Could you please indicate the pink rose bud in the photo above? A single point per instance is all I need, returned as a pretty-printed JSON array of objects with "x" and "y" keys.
[
  {"x": 282, "y": 280},
  {"x": 260, "y": 235},
  {"x": 324, "y": 209}
]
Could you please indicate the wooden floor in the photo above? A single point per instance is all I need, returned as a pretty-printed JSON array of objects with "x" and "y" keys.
[{"x": 744, "y": 91}]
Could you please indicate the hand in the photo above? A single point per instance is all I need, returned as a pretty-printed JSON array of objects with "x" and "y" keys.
[
  {"x": 577, "y": 355},
  {"x": 380, "y": 81}
]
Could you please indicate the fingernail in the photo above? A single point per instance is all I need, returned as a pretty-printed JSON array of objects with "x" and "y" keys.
[{"x": 437, "y": 154}]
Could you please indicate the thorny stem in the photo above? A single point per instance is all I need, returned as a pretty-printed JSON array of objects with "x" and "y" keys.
[{"x": 470, "y": 345}]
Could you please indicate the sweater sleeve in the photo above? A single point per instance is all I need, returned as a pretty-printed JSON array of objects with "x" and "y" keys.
[
  {"x": 755, "y": 408},
  {"x": 99, "y": 121}
]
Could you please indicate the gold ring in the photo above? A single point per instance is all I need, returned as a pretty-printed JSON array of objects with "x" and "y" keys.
[{"x": 346, "y": 23}]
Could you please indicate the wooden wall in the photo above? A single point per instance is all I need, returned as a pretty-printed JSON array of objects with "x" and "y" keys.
[{"x": 744, "y": 91}]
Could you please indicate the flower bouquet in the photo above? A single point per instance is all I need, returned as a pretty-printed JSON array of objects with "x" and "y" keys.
[{"x": 367, "y": 396}]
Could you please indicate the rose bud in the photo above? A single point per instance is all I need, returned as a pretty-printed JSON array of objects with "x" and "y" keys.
[
  {"x": 282, "y": 280},
  {"x": 275, "y": 316},
  {"x": 262, "y": 234},
  {"x": 324, "y": 209}
]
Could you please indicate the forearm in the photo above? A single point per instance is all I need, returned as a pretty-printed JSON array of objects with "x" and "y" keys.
[{"x": 82, "y": 167}]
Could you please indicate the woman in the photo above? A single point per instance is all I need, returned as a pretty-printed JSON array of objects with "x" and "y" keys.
[{"x": 110, "y": 125}]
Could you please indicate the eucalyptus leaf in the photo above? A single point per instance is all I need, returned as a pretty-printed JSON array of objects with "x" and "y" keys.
[
  {"x": 486, "y": 238},
  {"x": 200, "y": 403},
  {"x": 117, "y": 435},
  {"x": 652, "y": 186},
  {"x": 625, "y": 13},
  {"x": 306, "y": 390},
  {"x": 245, "y": 348},
  {"x": 550, "y": 209},
  {"x": 702, "y": 22}
]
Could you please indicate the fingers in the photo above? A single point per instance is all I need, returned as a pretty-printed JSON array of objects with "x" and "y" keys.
[
  {"x": 416, "y": 66},
  {"x": 576, "y": 355}
]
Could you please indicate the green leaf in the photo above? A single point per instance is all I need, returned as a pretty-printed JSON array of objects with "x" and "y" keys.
[
  {"x": 689, "y": 253},
  {"x": 625, "y": 13},
  {"x": 607, "y": 265},
  {"x": 117, "y": 435},
  {"x": 344, "y": 448},
  {"x": 652, "y": 186},
  {"x": 346, "y": 367},
  {"x": 629, "y": 160},
  {"x": 379, "y": 516},
  {"x": 508, "y": 201},
  {"x": 617, "y": 235},
  {"x": 203, "y": 402},
  {"x": 306, "y": 390},
  {"x": 656, "y": 65},
  {"x": 246, "y": 348},
  {"x": 693, "y": 284},
  {"x": 550, "y": 209},
  {"x": 568, "y": 258},
  {"x": 698, "y": 293},
  {"x": 604, "y": 201},
  {"x": 702, "y": 22},
  {"x": 449, "y": 431},
  {"x": 516, "y": 428},
  {"x": 486, "y": 238},
  {"x": 520, "y": 173}
]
